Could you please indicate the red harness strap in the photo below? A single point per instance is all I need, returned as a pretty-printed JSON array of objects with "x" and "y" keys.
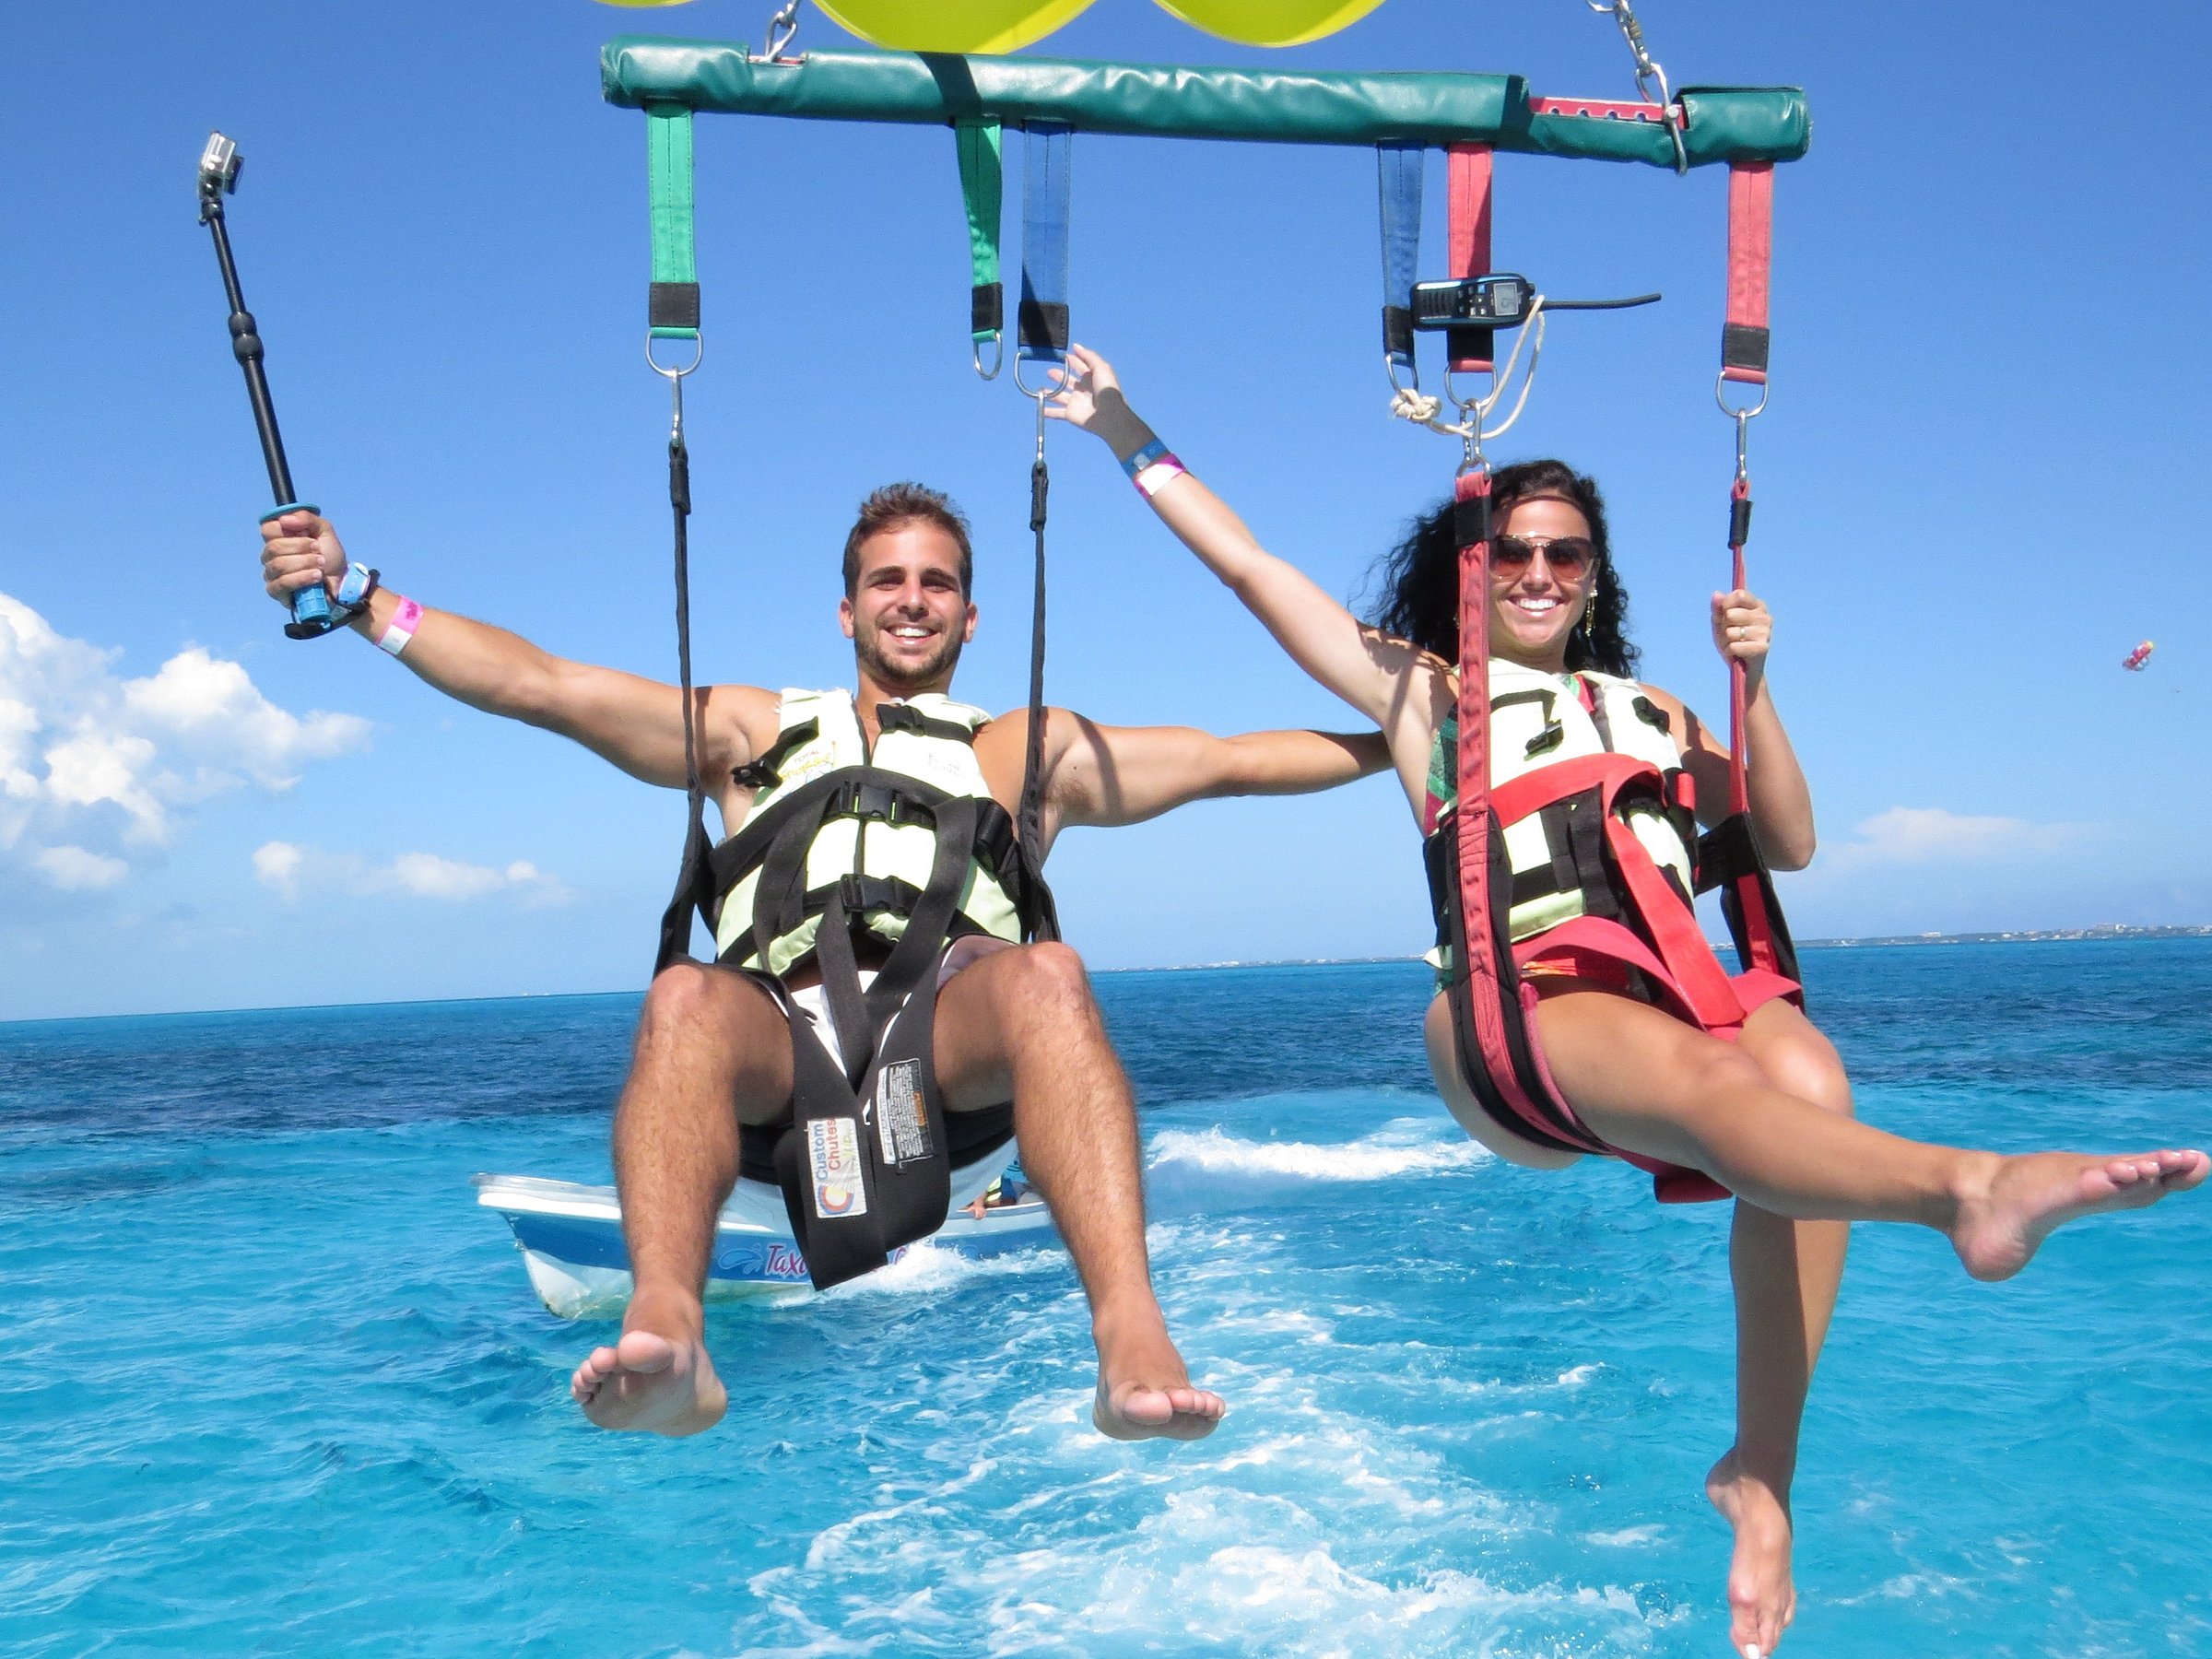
[
  {"x": 1669, "y": 953},
  {"x": 1750, "y": 256},
  {"x": 1494, "y": 1010},
  {"x": 1489, "y": 996},
  {"x": 1469, "y": 196},
  {"x": 1755, "y": 921}
]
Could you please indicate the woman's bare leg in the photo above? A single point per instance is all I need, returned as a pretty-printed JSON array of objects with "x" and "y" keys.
[
  {"x": 1647, "y": 1083},
  {"x": 1786, "y": 1275}
]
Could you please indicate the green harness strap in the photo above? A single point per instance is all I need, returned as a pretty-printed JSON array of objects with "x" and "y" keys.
[
  {"x": 673, "y": 311},
  {"x": 982, "y": 193}
]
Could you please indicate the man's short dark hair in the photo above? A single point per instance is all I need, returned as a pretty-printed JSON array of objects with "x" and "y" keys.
[{"x": 896, "y": 504}]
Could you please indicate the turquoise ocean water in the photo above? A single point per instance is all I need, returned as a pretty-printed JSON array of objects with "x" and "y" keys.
[{"x": 273, "y": 1384}]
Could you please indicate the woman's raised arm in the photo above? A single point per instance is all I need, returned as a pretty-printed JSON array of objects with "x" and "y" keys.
[{"x": 1383, "y": 679}]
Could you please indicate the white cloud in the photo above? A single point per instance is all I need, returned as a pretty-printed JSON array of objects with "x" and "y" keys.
[
  {"x": 72, "y": 869},
  {"x": 1924, "y": 835},
  {"x": 295, "y": 870},
  {"x": 96, "y": 767},
  {"x": 276, "y": 865}
]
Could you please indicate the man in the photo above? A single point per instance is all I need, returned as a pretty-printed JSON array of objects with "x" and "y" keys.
[{"x": 714, "y": 1053}]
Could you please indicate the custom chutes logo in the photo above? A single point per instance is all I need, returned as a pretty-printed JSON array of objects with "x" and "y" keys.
[{"x": 834, "y": 1154}]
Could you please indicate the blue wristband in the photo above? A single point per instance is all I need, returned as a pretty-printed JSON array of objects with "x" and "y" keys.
[{"x": 1144, "y": 457}]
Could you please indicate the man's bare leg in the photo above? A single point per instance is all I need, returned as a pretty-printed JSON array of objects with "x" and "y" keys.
[
  {"x": 1786, "y": 1275},
  {"x": 1021, "y": 1024},
  {"x": 710, "y": 1046},
  {"x": 1648, "y": 1083}
]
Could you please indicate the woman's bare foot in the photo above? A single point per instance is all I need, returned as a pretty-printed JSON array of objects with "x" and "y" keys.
[
  {"x": 657, "y": 1379},
  {"x": 1145, "y": 1391},
  {"x": 1761, "y": 1597},
  {"x": 2013, "y": 1203}
]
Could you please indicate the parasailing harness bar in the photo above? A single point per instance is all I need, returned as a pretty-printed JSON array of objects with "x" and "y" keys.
[{"x": 1267, "y": 106}]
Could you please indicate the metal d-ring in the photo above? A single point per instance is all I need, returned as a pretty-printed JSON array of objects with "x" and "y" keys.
[
  {"x": 975, "y": 356},
  {"x": 698, "y": 350},
  {"x": 1720, "y": 396},
  {"x": 1390, "y": 366},
  {"x": 1039, "y": 393}
]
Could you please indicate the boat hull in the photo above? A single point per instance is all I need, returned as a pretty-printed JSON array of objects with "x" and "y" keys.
[{"x": 571, "y": 1239}]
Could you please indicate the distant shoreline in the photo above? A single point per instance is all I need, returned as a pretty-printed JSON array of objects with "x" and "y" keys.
[{"x": 2039, "y": 936}]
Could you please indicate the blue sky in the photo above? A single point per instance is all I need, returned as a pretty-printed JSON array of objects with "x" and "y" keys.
[{"x": 1978, "y": 481}]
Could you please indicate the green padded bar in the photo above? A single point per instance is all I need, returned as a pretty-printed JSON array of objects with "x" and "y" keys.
[
  {"x": 674, "y": 310},
  {"x": 982, "y": 193},
  {"x": 1260, "y": 105}
]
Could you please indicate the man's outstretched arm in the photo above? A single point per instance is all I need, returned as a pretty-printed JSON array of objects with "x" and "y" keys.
[
  {"x": 633, "y": 721},
  {"x": 1125, "y": 774}
]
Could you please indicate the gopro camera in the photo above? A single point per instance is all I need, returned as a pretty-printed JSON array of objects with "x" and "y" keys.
[{"x": 219, "y": 164}]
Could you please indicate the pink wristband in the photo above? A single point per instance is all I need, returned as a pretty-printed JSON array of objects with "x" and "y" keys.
[
  {"x": 400, "y": 628},
  {"x": 1152, "y": 478}
]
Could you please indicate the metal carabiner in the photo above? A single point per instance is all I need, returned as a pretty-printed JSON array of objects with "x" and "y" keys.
[
  {"x": 1648, "y": 70},
  {"x": 782, "y": 29},
  {"x": 1471, "y": 417}
]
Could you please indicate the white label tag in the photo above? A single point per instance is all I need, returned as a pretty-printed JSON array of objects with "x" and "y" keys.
[
  {"x": 833, "y": 1150},
  {"x": 902, "y": 1114}
]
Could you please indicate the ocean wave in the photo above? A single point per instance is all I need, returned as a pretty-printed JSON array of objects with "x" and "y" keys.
[{"x": 1376, "y": 1156}]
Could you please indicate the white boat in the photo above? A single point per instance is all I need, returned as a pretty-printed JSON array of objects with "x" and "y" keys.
[{"x": 570, "y": 1237}]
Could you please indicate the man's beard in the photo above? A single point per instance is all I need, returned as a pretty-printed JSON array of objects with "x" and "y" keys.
[{"x": 896, "y": 676}]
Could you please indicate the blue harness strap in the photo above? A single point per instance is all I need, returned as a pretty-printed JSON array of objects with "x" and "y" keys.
[
  {"x": 1400, "y": 168},
  {"x": 1046, "y": 181}
]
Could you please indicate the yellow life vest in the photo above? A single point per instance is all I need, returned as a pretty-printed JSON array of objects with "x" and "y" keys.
[
  {"x": 1538, "y": 720},
  {"x": 833, "y": 818}
]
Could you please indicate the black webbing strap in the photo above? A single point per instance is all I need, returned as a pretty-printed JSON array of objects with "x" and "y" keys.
[
  {"x": 765, "y": 772},
  {"x": 905, "y": 717},
  {"x": 866, "y": 1166},
  {"x": 692, "y": 893},
  {"x": 1029, "y": 819},
  {"x": 929, "y": 925}
]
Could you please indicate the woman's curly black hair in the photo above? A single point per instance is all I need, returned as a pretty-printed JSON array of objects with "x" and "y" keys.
[{"x": 1420, "y": 577}]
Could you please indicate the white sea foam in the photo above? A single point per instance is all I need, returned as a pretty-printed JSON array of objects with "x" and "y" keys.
[
  {"x": 1376, "y": 1156},
  {"x": 1628, "y": 1538}
]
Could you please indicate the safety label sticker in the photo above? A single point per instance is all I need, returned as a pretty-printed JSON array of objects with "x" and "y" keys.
[
  {"x": 902, "y": 1114},
  {"x": 833, "y": 1150}
]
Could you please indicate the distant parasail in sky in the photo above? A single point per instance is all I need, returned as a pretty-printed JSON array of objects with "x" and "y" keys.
[{"x": 2136, "y": 660}]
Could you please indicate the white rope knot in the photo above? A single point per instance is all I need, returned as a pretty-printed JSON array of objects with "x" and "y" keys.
[{"x": 1407, "y": 404}]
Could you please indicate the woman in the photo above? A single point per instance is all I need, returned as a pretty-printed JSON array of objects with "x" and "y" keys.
[{"x": 1766, "y": 1115}]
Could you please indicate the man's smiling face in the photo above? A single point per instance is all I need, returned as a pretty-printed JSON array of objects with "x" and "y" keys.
[{"x": 908, "y": 616}]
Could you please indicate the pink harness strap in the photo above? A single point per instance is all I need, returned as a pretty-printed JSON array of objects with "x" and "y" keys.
[
  {"x": 1468, "y": 170},
  {"x": 1751, "y": 256}
]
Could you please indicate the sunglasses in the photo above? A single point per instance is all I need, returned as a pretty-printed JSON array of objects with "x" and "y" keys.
[{"x": 1569, "y": 555}]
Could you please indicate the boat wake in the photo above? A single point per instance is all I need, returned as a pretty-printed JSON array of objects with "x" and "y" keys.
[{"x": 1409, "y": 1148}]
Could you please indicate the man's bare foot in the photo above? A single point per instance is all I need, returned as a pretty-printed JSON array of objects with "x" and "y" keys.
[
  {"x": 1145, "y": 1391},
  {"x": 1761, "y": 1597},
  {"x": 658, "y": 1378},
  {"x": 2015, "y": 1203}
]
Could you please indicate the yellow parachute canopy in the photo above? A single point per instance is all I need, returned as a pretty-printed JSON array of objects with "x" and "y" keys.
[
  {"x": 1271, "y": 22},
  {"x": 1005, "y": 25},
  {"x": 952, "y": 25}
]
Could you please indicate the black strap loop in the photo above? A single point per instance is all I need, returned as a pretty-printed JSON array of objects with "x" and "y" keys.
[{"x": 905, "y": 717}]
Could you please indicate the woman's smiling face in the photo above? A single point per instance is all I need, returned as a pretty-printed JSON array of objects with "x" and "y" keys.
[{"x": 1533, "y": 607}]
